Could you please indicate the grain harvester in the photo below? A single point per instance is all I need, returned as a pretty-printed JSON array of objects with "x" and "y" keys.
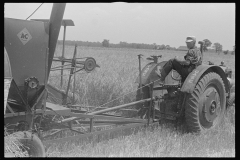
[
  {"x": 29, "y": 48},
  {"x": 200, "y": 99}
]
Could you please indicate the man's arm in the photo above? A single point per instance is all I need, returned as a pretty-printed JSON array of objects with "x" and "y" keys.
[{"x": 194, "y": 56}]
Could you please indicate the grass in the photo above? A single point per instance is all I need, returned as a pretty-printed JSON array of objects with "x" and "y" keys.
[
  {"x": 162, "y": 141},
  {"x": 116, "y": 77},
  {"x": 117, "y": 73},
  {"x": 12, "y": 146}
]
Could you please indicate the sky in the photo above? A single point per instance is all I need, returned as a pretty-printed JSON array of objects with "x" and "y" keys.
[{"x": 160, "y": 23}]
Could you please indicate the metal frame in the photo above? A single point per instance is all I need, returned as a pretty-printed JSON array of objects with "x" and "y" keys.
[
  {"x": 95, "y": 118},
  {"x": 65, "y": 23},
  {"x": 92, "y": 119},
  {"x": 89, "y": 121},
  {"x": 73, "y": 64},
  {"x": 82, "y": 119}
]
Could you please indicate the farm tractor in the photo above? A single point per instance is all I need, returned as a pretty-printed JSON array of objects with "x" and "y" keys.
[
  {"x": 38, "y": 113},
  {"x": 200, "y": 99}
]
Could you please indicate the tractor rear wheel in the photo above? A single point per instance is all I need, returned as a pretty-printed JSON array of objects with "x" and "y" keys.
[
  {"x": 31, "y": 143},
  {"x": 231, "y": 100},
  {"x": 205, "y": 106}
]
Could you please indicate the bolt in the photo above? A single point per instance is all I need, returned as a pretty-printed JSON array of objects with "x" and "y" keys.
[{"x": 213, "y": 108}]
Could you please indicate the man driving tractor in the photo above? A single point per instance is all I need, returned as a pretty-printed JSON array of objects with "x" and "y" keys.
[{"x": 192, "y": 59}]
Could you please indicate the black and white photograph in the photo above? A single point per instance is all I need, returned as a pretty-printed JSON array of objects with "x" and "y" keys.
[{"x": 119, "y": 79}]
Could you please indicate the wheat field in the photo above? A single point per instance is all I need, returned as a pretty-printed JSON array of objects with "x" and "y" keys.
[
  {"x": 118, "y": 72},
  {"x": 116, "y": 78}
]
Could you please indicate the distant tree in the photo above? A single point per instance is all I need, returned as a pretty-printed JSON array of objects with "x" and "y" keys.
[
  {"x": 225, "y": 52},
  {"x": 233, "y": 52},
  {"x": 105, "y": 43},
  {"x": 138, "y": 46},
  {"x": 167, "y": 47},
  {"x": 207, "y": 43},
  {"x": 154, "y": 46},
  {"x": 123, "y": 44},
  {"x": 218, "y": 47},
  {"x": 162, "y": 47}
]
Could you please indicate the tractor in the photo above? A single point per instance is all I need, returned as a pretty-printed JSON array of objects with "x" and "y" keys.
[
  {"x": 199, "y": 100},
  {"x": 29, "y": 47}
]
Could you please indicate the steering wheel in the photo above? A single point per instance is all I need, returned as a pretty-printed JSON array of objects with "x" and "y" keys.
[{"x": 154, "y": 58}]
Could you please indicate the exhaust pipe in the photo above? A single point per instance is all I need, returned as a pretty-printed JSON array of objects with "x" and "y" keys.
[{"x": 54, "y": 29}]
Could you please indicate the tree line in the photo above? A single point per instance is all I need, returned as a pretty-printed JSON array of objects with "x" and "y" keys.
[
  {"x": 105, "y": 43},
  {"x": 217, "y": 47}
]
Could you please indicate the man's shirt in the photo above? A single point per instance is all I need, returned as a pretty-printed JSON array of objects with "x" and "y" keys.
[{"x": 194, "y": 56}]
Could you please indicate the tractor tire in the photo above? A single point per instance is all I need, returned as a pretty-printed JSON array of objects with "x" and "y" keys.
[
  {"x": 142, "y": 112},
  {"x": 31, "y": 143},
  {"x": 231, "y": 100},
  {"x": 206, "y": 105}
]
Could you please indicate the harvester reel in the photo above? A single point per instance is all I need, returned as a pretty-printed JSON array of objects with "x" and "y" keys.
[{"x": 90, "y": 64}]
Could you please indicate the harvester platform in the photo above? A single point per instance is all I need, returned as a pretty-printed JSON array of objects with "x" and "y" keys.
[{"x": 58, "y": 109}]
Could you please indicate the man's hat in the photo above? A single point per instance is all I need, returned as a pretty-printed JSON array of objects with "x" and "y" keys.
[{"x": 190, "y": 39}]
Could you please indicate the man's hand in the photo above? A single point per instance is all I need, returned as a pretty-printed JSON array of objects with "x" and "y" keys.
[
  {"x": 177, "y": 58},
  {"x": 182, "y": 62}
]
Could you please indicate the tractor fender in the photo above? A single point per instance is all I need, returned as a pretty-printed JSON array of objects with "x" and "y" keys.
[
  {"x": 149, "y": 72},
  {"x": 192, "y": 79}
]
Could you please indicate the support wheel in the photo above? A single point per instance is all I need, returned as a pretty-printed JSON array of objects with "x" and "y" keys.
[
  {"x": 31, "y": 143},
  {"x": 205, "y": 107}
]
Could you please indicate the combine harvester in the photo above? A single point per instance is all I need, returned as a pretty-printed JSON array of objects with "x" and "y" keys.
[{"x": 29, "y": 48}]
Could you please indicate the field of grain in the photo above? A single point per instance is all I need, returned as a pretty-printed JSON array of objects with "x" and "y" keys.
[{"x": 115, "y": 79}]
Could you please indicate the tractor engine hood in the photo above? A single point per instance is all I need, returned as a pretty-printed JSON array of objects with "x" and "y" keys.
[{"x": 149, "y": 72}]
